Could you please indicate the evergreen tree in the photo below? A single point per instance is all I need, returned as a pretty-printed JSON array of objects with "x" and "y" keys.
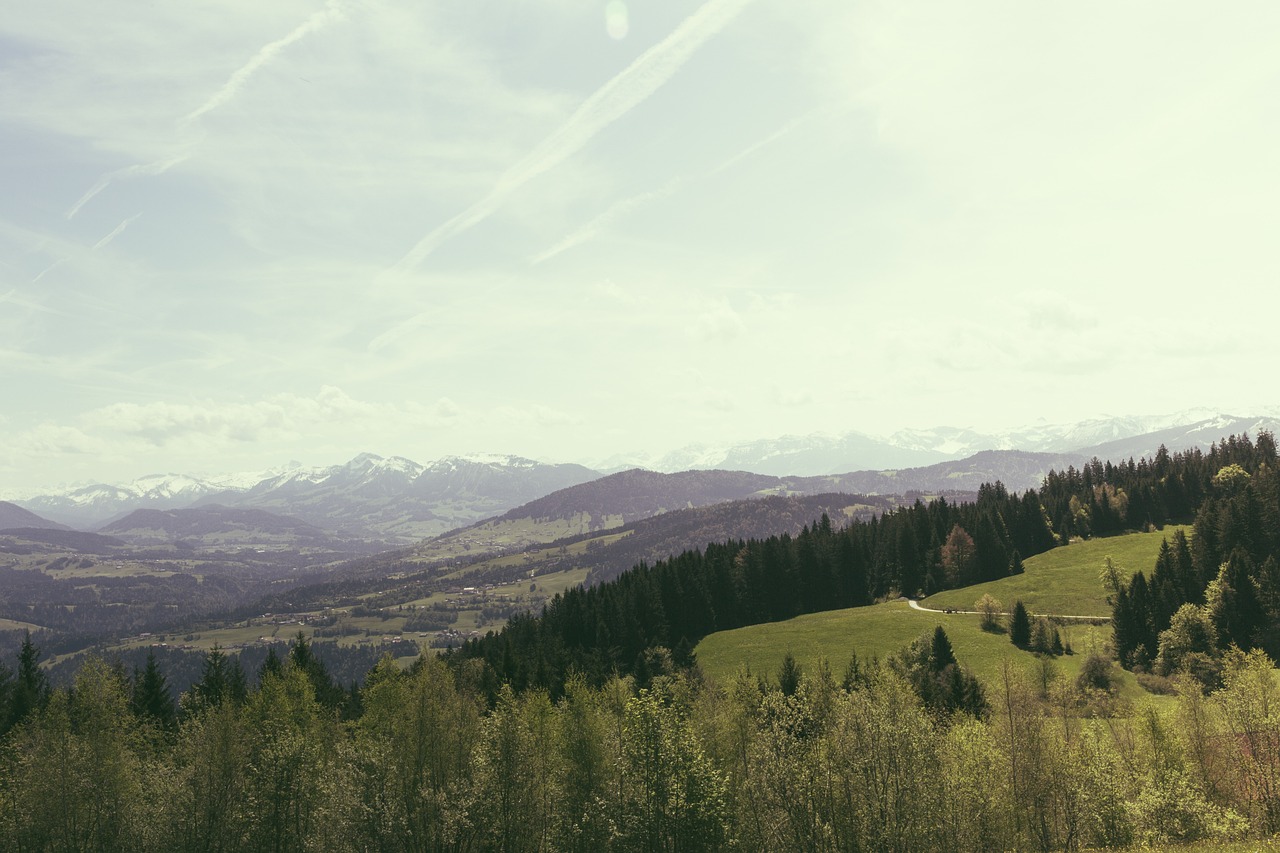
[
  {"x": 940, "y": 653},
  {"x": 152, "y": 698},
  {"x": 1020, "y": 626},
  {"x": 789, "y": 675},
  {"x": 31, "y": 686}
]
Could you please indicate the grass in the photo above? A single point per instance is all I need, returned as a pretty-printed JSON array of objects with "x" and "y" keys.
[
  {"x": 1064, "y": 580},
  {"x": 879, "y": 631}
]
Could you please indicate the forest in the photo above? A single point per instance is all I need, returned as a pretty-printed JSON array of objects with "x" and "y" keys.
[{"x": 590, "y": 726}]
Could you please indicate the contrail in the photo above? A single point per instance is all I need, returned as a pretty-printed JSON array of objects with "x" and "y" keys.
[
  {"x": 156, "y": 168},
  {"x": 119, "y": 229},
  {"x": 236, "y": 81},
  {"x": 770, "y": 139},
  {"x": 627, "y": 205},
  {"x": 648, "y": 73},
  {"x": 9, "y": 297},
  {"x": 604, "y": 220}
]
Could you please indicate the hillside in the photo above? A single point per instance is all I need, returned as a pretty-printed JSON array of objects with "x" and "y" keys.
[
  {"x": 618, "y": 499},
  {"x": 397, "y": 578},
  {"x": 881, "y": 630},
  {"x": 229, "y": 528},
  {"x": 1064, "y": 580},
  {"x": 12, "y": 516}
]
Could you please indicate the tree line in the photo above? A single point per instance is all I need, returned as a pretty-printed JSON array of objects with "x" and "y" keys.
[
  {"x": 1220, "y": 588},
  {"x": 888, "y": 756},
  {"x": 610, "y": 628}
]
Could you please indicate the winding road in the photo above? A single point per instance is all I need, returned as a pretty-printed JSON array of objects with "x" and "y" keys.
[{"x": 915, "y": 605}]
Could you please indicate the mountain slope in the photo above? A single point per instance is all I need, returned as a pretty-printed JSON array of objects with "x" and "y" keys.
[
  {"x": 221, "y": 527},
  {"x": 814, "y": 454},
  {"x": 12, "y": 516},
  {"x": 386, "y": 501},
  {"x": 396, "y": 501}
]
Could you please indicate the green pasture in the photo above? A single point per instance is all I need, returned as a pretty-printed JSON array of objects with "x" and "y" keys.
[
  {"x": 1065, "y": 581},
  {"x": 879, "y": 631}
]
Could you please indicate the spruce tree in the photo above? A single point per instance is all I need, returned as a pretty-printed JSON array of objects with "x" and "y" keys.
[
  {"x": 789, "y": 675},
  {"x": 941, "y": 654},
  {"x": 31, "y": 687},
  {"x": 151, "y": 696},
  {"x": 1020, "y": 626}
]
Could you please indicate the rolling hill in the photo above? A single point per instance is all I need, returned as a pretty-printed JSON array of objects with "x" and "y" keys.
[
  {"x": 12, "y": 516},
  {"x": 224, "y": 528}
]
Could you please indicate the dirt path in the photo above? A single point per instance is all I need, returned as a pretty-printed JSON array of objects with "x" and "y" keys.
[{"x": 915, "y": 605}]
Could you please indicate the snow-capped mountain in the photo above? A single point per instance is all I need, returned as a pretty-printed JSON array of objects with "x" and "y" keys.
[
  {"x": 817, "y": 454},
  {"x": 388, "y": 499}
]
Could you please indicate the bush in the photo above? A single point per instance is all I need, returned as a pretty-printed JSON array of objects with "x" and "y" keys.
[{"x": 1095, "y": 674}]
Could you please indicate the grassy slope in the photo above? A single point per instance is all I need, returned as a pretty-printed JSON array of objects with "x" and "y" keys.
[
  {"x": 880, "y": 630},
  {"x": 1064, "y": 580}
]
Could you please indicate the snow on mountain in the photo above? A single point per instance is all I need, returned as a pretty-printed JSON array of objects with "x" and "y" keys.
[{"x": 821, "y": 453}]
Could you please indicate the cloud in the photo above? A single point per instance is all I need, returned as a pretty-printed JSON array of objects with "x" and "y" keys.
[
  {"x": 621, "y": 209},
  {"x": 719, "y": 322},
  {"x": 611, "y": 215},
  {"x": 648, "y": 73},
  {"x": 119, "y": 229},
  {"x": 536, "y": 415},
  {"x": 161, "y": 423},
  {"x": 223, "y": 95},
  {"x": 331, "y": 13},
  {"x": 158, "y": 167}
]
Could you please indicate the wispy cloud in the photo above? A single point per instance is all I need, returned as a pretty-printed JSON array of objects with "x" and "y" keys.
[
  {"x": 770, "y": 139},
  {"x": 648, "y": 73},
  {"x": 137, "y": 170},
  {"x": 331, "y": 13},
  {"x": 116, "y": 232},
  {"x": 629, "y": 205},
  {"x": 13, "y": 298},
  {"x": 611, "y": 215},
  {"x": 222, "y": 96}
]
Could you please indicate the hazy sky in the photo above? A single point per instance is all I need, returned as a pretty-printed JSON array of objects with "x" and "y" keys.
[{"x": 238, "y": 233}]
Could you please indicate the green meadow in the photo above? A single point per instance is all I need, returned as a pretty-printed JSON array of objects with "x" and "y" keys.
[{"x": 1064, "y": 581}]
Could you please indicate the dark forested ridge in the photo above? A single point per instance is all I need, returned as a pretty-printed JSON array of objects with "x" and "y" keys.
[
  {"x": 675, "y": 602},
  {"x": 672, "y": 604}
]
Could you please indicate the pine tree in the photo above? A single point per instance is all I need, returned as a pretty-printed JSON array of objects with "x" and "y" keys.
[
  {"x": 151, "y": 696},
  {"x": 1020, "y": 626},
  {"x": 31, "y": 686},
  {"x": 941, "y": 654},
  {"x": 789, "y": 675}
]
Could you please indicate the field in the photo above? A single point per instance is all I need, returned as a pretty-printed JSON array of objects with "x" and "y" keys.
[
  {"x": 879, "y": 631},
  {"x": 371, "y": 627},
  {"x": 509, "y": 535},
  {"x": 1063, "y": 581}
]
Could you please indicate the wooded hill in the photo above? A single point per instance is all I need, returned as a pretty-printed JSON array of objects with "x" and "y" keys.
[{"x": 918, "y": 549}]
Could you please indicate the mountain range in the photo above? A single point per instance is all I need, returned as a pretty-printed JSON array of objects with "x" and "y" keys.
[
  {"x": 816, "y": 454},
  {"x": 393, "y": 501}
]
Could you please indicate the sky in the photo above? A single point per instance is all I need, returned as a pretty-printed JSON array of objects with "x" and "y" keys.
[{"x": 235, "y": 234}]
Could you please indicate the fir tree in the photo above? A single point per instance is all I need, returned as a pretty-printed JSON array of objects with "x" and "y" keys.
[
  {"x": 789, "y": 675},
  {"x": 941, "y": 654},
  {"x": 1020, "y": 626},
  {"x": 152, "y": 698}
]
